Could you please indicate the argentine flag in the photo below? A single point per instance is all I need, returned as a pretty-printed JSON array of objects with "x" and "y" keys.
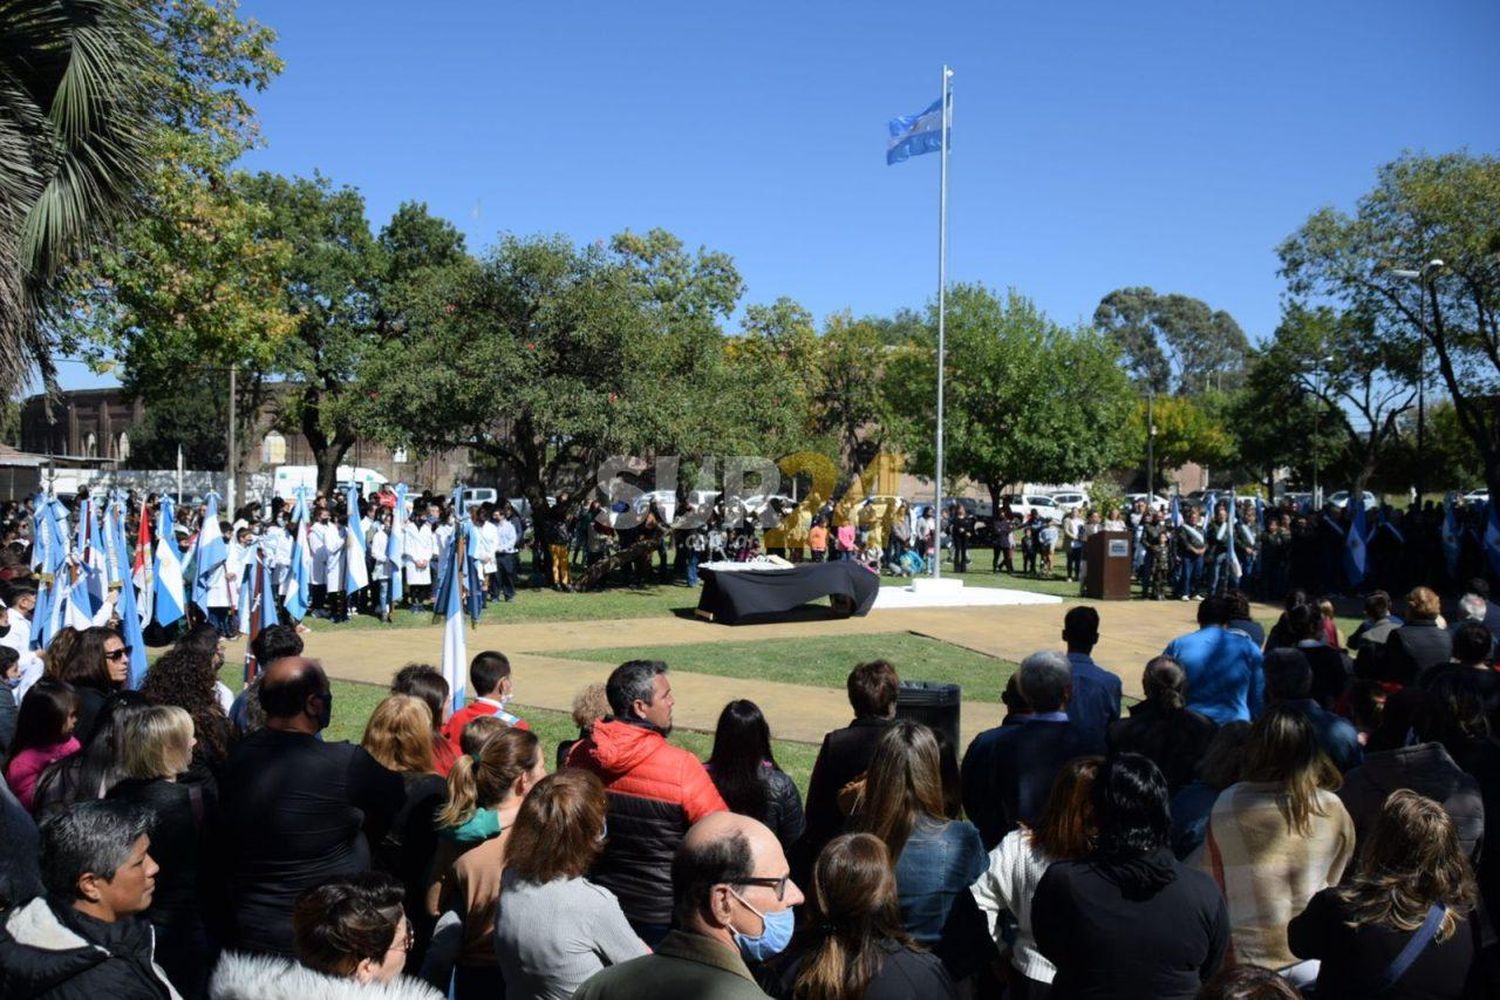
[
  {"x": 356, "y": 571},
  {"x": 209, "y": 553},
  {"x": 448, "y": 602},
  {"x": 1355, "y": 553},
  {"x": 171, "y": 597},
  {"x": 1233, "y": 560},
  {"x": 294, "y": 591},
  {"x": 395, "y": 549},
  {"x": 1174, "y": 516},
  {"x": 130, "y": 618},
  {"x": 1450, "y": 537},
  {"x": 913, "y": 135}
]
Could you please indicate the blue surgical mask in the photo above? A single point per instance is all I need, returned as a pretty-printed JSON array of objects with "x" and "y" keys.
[
  {"x": 13, "y": 682},
  {"x": 773, "y": 938}
]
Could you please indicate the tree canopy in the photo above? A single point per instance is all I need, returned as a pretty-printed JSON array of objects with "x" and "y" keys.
[{"x": 1173, "y": 344}]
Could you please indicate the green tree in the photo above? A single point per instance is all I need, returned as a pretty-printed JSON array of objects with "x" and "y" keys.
[
  {"x": 1185, "y": 432},
  {"x": 549, "y": 358},
  {"x": 849, "y": 404},
  {"x": 1278, "y": 424},
  {"x": 1173, "y": 343},
  {"x": 196, "y": 421},
  {"x": 1025, "y": 400},
  {"x": 1422, "y": 209},
  {"x": 74, "y": 128}
]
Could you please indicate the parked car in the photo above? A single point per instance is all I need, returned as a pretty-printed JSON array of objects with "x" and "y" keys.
[
  {"x": 666, "y": 503},
  {"x": 1475, "y": 496},
  {"x": 1341, "y": 500},
  {"x": 1022, "y": 504},
  {"x": 1070, "y": 500}
]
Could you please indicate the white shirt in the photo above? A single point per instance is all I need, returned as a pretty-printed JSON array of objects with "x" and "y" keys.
[
  {"x": 505, "y": 535},
  {"x": 419, "y": 549},
  {"x": 378, "y": 540},
  {"x": 317, "y": 550},
  {"x": 1016, "y": 868}
]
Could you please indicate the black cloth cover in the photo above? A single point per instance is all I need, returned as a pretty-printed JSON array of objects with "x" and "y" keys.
[{"x": 734, "y": 596}]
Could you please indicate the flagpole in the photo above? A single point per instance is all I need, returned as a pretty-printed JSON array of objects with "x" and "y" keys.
[{"x": 937, "y": 489}]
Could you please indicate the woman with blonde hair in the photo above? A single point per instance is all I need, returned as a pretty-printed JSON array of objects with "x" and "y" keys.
[
  {"x": 1400, "y": 927},
  {"x": 1276, "y": 837},
  {"x": 156, "y": 747},
  {"x": 485, "y": 790},
  {"x": 1064, "y": 831},
  {"x": 399, "y": 737},
  {"x": 1421, "y": 642},
  {"x": 936, "y": 858},
  {"x": 854, "y": 947}
]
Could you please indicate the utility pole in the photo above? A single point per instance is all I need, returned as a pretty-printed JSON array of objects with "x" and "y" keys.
[
  {"x": 1150, "y": 448},
  {"x": 233, "y": 469}
]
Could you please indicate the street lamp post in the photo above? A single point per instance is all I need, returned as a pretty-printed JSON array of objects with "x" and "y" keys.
[
  {"x": 1150, "y": 447},
  {"x": 1317, "y": 497},
  {"x": 1424, "y": 284}
]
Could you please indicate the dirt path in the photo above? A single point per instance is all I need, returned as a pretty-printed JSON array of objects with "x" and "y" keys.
[{"x": 1131, "y": 634}]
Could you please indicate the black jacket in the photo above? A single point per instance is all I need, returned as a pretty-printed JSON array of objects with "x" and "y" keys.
[
  {"x": 1355, "y": 959},
  {"x": 49, "y": 951},
  {"x": 904, "y": 974},
  {"x": 1008, "y": 771},
  {"x": 1108, "y": 941},
  {"x": 20, "y": 879},
  {"x": 1175, "y": 741},
  {"x": 844, "y": 756},
  {"x": 179, "y": 844},
  {"x": 1414, "y": 647},
  {"x": 783, "y": 808},
  {"x": 296, "y": 812}
]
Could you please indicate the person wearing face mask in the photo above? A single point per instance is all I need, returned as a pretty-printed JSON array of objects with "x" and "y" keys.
[
  {"x": 733, "y": 899},
  {"x": 352, "y": 939},
  {"x": 419, "y": 550},
  {"x": 344, "y": 801},
  {"x": 10, "y": 679},
  {"x": 15, "y": 633},
  {"x": 489, "y": 675}
]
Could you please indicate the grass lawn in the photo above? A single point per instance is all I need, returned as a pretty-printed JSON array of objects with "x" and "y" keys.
[
  {"x": 353, "y": 702},
  {"x": 824, "y": 661}
]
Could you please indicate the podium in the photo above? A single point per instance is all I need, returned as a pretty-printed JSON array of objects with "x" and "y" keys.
[{"x": 1106, "y": 573}]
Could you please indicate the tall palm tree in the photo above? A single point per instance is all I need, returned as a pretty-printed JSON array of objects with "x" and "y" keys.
[{"x": 75, "y": 118}]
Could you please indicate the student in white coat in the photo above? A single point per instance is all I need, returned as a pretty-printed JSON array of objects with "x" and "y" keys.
[
  {"x": 317, "y": 550},
  {"x": 333, "y": 562},
  {"x": 378, "y": 537},
  {"x": 420, "y": 551}
]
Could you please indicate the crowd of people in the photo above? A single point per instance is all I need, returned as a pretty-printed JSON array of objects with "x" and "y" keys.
[{"x": 1282, "y": 812}]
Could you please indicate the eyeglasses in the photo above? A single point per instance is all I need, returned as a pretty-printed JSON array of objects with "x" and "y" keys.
[
  {"x": 409, "y": 939},
  {"x": 778, "y": 884},
  {"x": 117, "y": 654}
]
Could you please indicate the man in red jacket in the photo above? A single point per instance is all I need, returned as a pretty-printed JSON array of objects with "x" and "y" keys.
[
  {"x": 489, "y": 674},
  {"x": 656, "y": 791}
]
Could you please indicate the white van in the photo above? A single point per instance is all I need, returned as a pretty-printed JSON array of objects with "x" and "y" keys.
[{"x": 289, "y": 477}]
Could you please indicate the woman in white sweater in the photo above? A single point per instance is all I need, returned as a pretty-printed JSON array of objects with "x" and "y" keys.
[{"x": 1064, "y": 831}]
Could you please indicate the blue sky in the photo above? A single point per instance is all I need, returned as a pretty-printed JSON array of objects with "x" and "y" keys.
[{"x": 1096, "y": 144}]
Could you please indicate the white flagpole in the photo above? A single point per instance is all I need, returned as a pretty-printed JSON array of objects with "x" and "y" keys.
[{"x": 937, "y": 489}]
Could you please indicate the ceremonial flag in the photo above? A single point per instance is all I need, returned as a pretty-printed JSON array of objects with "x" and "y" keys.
[
  {"x": 913, "y": 135},
  {"x": 1492, "y": 536},
  {"x": 1450, "y": 537},
  {"x": 1234, "y": 558},
  {"x": 74, "y": 606},
  {"x": 264, "y": 616},
  {"x": 130, "y": 616},
  {"x": 95, "y": 559},
  {"x": 356, "y": 571},
  {"x": 209, "y": 552},
  {"x": 395, "y": 547},
  {"x": 1356, "y": 555},
  {"x": 294, "y": 591},
  {"x": 448, "y": 602},
  {"x": 1175, "y": 514},
  {"x": 1209, "y": 503},
  {"x": 473, "y": 579},
  {"x": 249, "y": 581},
  {"x": 171, "y": 599},
  {"x": 46, "y": 619},
  {"x": 140, "y": 573}
]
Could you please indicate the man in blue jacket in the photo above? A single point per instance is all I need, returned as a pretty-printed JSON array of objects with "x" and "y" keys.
[{"x": 1096, "y": 692}]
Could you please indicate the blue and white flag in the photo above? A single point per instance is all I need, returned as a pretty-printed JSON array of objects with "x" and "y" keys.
[
  {"x": 1492, "y": 536},
  {"x": 1174, "y": 515},
  {"x": 1450, "y": 537},
  {"x": 1356, "y": 553},
  {"x": 913, "y": 135},
  {"x": 1233, "y": 560},
  {"x": 448, "y": 601},
  {"x": 75, "y": 602},
  {"x": 130, "y": 618},
  {"x": 294, "y": 591},
  {"x": 395, "y": 548},
  {"x": 171, "y": 597},
  {"x": 209, "y": 555},
  {"x": 356, "y": 569}
]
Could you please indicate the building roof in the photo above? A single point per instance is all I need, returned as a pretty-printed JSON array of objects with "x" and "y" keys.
[{"x": 12, "y": 457}]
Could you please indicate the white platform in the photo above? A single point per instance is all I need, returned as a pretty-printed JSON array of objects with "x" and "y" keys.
[{"x": 949, "y": 592}]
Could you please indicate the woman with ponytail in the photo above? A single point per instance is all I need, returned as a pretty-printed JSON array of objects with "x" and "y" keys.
[
  {"x": 854, "y": 947},
  {"x": 1162, "y": 728},
  {"x": 485, "y": 792}
]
